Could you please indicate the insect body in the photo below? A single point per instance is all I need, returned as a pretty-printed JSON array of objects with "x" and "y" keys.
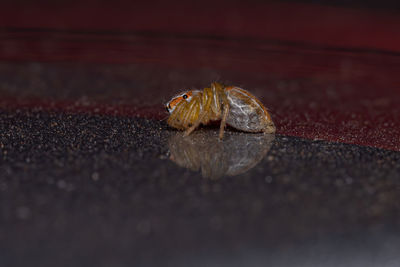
[{"x": 232, "y": 105}]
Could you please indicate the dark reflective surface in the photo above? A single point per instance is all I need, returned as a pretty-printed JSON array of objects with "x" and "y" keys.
[
  {"x": 84, "y": 190},
  {"x": 203, "y": 151},
  {"x": 85, "y": 182}
]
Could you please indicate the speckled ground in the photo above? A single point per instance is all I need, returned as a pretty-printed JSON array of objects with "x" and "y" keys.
[
  {"x": 90, "y": 175},
  {"x": 85, "y": 190}
]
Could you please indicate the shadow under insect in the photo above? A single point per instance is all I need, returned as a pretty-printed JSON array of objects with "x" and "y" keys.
[{"x": 203, "y": 151}]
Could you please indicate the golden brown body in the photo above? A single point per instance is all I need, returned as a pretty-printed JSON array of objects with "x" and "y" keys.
[{"x": 230, "y": 104}]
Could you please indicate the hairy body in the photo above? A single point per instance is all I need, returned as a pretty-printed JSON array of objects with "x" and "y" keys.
[{"x": 229, "y": 104}]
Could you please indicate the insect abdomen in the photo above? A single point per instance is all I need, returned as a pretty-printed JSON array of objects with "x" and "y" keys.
[{"x": 246, "y": 113}]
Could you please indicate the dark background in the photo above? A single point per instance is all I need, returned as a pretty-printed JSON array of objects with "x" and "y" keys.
[{"x": 88, "y": 166}]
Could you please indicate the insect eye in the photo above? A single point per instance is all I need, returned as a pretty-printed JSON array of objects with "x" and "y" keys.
[{"x": 185, "y": 96}]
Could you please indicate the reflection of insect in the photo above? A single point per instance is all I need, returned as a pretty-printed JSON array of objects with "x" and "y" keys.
[
  {"x": 201, "y": 151},
  {"x": 232, "y": 105}
]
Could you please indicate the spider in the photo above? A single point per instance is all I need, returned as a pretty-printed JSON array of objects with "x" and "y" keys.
[{"x": 229, "y": 104}]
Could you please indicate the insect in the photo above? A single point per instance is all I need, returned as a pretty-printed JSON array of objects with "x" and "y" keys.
[{"x": 229, "y": 104}]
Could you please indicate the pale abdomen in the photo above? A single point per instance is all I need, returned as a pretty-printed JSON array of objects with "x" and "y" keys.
[{"x": 246, "y": 113}]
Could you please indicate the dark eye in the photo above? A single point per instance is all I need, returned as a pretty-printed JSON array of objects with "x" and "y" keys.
[{"x": 184, "y": 96}]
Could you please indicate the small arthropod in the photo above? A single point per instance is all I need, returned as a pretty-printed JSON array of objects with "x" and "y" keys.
[{"x": 229, "y": 104}]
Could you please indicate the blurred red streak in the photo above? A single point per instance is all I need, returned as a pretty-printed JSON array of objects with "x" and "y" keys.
[
  {"x": 274, "y": 39},
  {"x": 356, "y": 48},
  {"x": 269, "y": 58},
  {"x": 315, "y": 24}
]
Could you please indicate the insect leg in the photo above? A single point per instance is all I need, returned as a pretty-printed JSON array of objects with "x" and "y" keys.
[
  {"x": 195, "y": 125},
  {"x": 205, "y": 110},
  {"x": 223, "y": 121},
  {"x": 216, "y": 103}
]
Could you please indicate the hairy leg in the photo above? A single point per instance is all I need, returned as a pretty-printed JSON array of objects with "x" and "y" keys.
[
  {"x": 195, "y": 125},
  {"x": 226, "y": 107},
  {"x": 175, "y": 119},
  {"x": 191, "y": 112},
  {"x": 216, "y": 103},
  {"x": 223, "y": 121},
  {"x": 204, "y": 110}
]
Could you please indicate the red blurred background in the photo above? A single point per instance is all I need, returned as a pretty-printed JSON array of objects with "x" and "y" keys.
[{"x": 326, "y": 69}]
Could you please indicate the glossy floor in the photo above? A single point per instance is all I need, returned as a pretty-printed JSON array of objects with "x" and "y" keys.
[{"x": 103, "y": 190}]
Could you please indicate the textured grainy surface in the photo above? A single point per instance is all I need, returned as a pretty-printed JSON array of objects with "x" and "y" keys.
[
  {"x": 83, "y": 190},
  {"x": 84, "y": 182}
]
